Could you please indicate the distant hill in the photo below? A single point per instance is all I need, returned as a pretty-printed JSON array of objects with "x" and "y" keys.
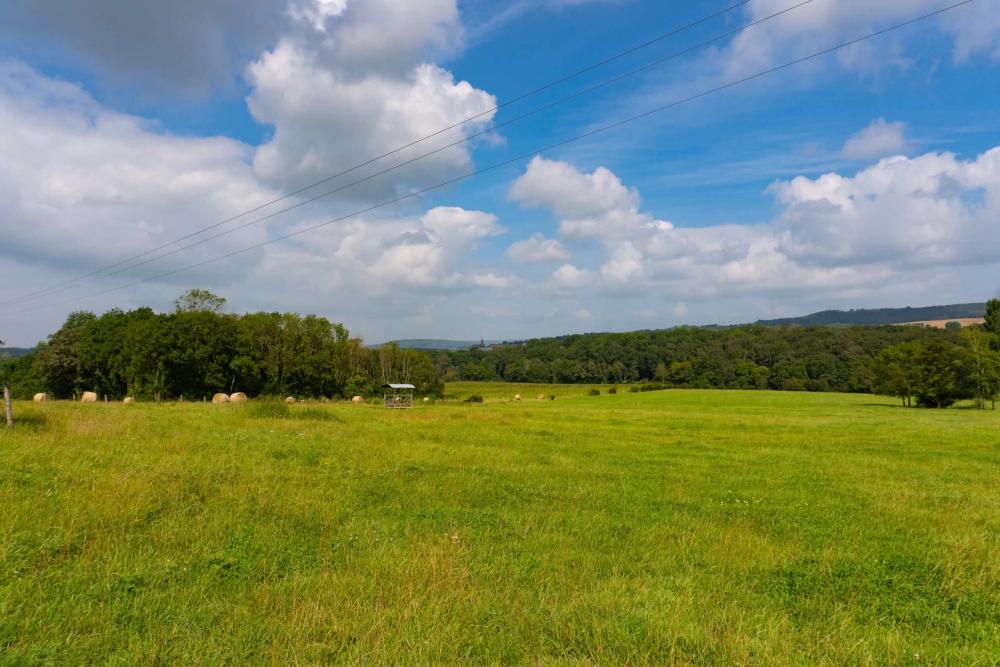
[
  {"x": 881, "y": 316},
  {"x": 441, "y": 344},
  {"x": 14, "y": 352}
]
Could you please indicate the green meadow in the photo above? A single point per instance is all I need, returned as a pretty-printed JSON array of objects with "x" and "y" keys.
[{"x": 673, "y": 527}]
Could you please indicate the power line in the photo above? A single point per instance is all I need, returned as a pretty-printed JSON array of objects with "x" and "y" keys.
[
  {"x": 523, "y": 156},
  {"x": 289, "y": 195},
  {"x": 632, "y": 72}
]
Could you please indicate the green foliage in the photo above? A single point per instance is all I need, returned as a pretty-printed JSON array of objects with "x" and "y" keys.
[
  {"x": 983, "y": 367},
  {"x": 613, "y": 390},
  {"x": 196, "y": 352},
  {"x": 940, "y": 374},
  {"x": 475, "y": 398},
  {"x": 953, "y": 326},
  {"x": 753, "y": 357},
  {"x": 895, "y": 372},
  {"x": 22, "y": 376},
  {"x": 594, "y": 392},
  {"x": 198, "y": 300},
  {"x": 993, "y": 321}
]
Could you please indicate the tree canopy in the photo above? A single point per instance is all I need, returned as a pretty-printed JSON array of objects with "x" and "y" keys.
[{"x": 194, "y": 353}]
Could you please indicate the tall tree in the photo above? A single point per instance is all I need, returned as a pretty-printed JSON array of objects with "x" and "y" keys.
[
  {"x": 993, "y": 320},
  {"x": 984, "y": 367},
  {"x": 199, "y": 300}
]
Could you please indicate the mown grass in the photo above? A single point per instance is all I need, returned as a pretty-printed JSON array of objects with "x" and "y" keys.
[{"x": 679, "y": 527}]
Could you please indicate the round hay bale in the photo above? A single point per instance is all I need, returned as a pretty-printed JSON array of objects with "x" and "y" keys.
[
  {"x": 541, "y": 397},
  {"x": 220, "y": 398},
  {"x": 128, "y": 399},
  {"x": 290, "y": 400},
  {"x": 40, "y": 397},
  {"x": 238, "y": 397},
  {"x": 517, "y": 397},
  {"x": 357, "y": 399},
  {"x": 427, "y": 399},
  {"x": 89, "y": 397}
]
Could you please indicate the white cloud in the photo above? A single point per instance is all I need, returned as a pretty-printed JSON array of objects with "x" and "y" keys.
[
  {"x": 595, "y": 205},
  {"x": 625, "y": 264},
  {"x": 835, "y": 234},
  {"x": 81, "y": 185},
  {"x": 569, "y": 277},
  {"x": 880, "y": 139},
  {"x": 537, "y": 248},
  {"x": 931, "y": 210},
  {"x": 359, "y": 90},
  {"x": 457, "y": 227},
  {"x": 975, "y": 29},
  {"x": 316, "y": 12}
]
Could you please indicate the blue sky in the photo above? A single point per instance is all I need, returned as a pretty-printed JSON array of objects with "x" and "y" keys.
[{"x": 869, "y": 177}]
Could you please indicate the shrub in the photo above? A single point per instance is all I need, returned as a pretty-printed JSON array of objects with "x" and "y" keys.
[
  {"x": 953, "y": 326},
  {"x": 613, "y": 390},
  {"x": 793, "y": 384},
  {"x": 594, "y": 392},
  {"x": 475, "y": 398},
  {"x": 648, "y": 386}
]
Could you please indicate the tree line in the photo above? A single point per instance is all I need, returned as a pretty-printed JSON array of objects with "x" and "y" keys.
[
  {"x": 198, "y": 350},
  {"x": 922, "y": 366}
]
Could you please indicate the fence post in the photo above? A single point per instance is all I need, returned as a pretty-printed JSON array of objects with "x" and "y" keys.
[{"x": 7, "y": 406}]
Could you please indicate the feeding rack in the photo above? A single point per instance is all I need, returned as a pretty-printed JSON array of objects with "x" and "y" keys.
[{"x": 398, "y": 396}]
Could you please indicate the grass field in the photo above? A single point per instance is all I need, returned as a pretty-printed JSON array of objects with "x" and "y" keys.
[{"x": 678, "y": 527}]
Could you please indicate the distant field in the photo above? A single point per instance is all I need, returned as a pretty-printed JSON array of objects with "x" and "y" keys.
[
  {"x": 676, "y": 527},
  {"x": 940, "y": 324}
]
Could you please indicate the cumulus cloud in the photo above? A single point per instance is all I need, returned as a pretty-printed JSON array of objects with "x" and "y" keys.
[
  {"x": 880, "y": 139},
  {"x": 568, "y": 276},
  {"x": 426, "y": 253},
  {"x": 537, "y": 248},
  {"x": 360, "y": 90},
  {"x": 933, "y": 209},
  {"x": 595, "y": 205},
  {"x": 81, "y": 185},
  {"x": 833, "y": 234}
]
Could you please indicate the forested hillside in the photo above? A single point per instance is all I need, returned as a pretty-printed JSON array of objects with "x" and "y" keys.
[
  {"x": 879, "y": 316},
  {"x": 14, "y": 352},
  {"x": 935, "y": 366}
]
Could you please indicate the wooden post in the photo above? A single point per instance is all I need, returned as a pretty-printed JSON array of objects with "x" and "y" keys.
[{"x": 7, "y": 406}]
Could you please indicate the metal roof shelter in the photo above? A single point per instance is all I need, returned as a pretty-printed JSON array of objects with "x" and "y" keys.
[{"x": 398, "y": 396}]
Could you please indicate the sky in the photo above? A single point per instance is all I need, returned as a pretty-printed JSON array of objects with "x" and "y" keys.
[{"x": 865, "y": 177}]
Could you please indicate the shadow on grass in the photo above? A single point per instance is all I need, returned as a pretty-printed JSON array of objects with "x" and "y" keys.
[
  {"x": 278, "y": 409},
  {"x": 31, "y": 420}
]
